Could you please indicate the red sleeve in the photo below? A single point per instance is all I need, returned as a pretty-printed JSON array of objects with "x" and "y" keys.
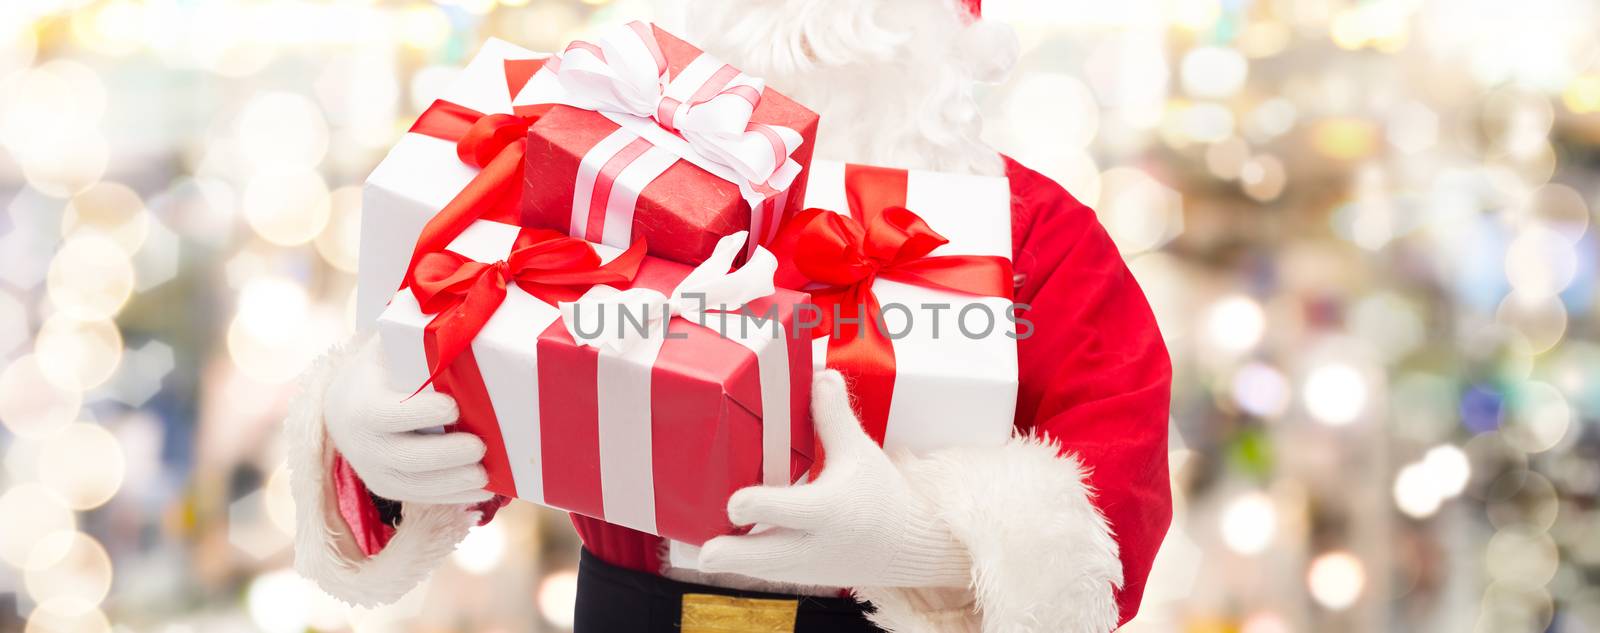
[
  {"x": 371, "y": 524},
  {"x": 1094, "y": 373}
]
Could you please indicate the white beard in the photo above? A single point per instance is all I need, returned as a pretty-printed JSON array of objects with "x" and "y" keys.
[{"x": 891, "y": 79}]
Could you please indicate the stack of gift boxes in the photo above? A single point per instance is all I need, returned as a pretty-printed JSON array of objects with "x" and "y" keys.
[{"x": 624, "y": 265}]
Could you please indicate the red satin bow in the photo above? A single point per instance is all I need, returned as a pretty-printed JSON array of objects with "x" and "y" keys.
[
  {"x": 837, "y": 258},
  {"x": 493, "y": 143},
  {"x": 463, "y": 294}
]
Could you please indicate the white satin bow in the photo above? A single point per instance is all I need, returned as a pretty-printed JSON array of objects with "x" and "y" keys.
[
  {"x": 708, "y": 104},
  {"x": 625, "y": 321}
]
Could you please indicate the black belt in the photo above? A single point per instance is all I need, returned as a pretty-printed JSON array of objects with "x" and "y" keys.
[{"x": 613, "y": 599}]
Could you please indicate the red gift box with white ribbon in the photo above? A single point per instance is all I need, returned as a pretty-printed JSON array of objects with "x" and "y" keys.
[
  {"x": 623, "y": 387},
  {"x": 651, "y": 137}
]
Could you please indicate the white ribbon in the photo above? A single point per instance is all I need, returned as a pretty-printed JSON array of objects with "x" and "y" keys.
[
  {"x": 634, "y": 321},
  {"x": 708, "y": 104}
]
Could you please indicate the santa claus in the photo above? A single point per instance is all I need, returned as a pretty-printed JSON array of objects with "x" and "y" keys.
[{"x": 1054, "y": 531}]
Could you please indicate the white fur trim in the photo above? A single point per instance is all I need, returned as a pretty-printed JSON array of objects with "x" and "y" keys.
[
  {"x": 324, "y": 550},
  {"x": 1044, "y": 558}
]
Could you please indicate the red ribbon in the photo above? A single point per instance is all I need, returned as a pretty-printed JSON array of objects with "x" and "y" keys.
[
  {"x": 463, "y": 294},
  {"x": 837, "y": 258},
  {"x": 495, "y": 144}
]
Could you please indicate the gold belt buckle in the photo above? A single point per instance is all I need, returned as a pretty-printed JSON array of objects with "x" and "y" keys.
[{"x": 708, "y": 613}]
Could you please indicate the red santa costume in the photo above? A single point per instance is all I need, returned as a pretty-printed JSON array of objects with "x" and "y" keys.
[{"x": 1060, "y": 525}]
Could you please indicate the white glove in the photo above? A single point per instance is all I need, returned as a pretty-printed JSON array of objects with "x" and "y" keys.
[
  {"x": 858, "y": 525},
  {"x": 379, "y": 431}
]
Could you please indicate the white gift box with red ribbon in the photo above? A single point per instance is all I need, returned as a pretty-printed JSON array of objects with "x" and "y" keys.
[{"x": 420, "y": 175}]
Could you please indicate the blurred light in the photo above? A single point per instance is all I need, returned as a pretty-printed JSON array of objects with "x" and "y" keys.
[
  {"x": 32, "y": 512},
  {"x": 1265, "y": 38},
  {"x": 68, "y": 565},
  {"x": 108, "y": 209},
  {"x": 1249, "y": 523},
  {"x": 18, "y": 46},
  {"x": 1129, "y": 76},
  {"x": 475, "y": 7},
  {"x": 1448, "y": 468},
  {"x": 1138, "y": 211},
  {"x": 271, "y": 309},
  {"x": 1582, "y": 96},
  {"x": 274, "y": 334},
  {"x": 424, "y": 27},
  {"x": 1390, "y": 322},
  {"x": 287, "y": 206},
  {"x": 157, "y": 261},
  {"x": 1198, "y": 123},
  {"x": 557, "y": 593},
  {"x": 202, "y": 209},
  {"x": 1557, "y": 208},
  {"x": 13, "y": 324},
  {"x": 1263, "y": 178},
  {"x": 1380, "y": 25},
  {"x": 67, "y": 615},
  {"x": 279, "y": 602},
  {"x": 483, "y": 549},
  {"x": 1541, "y": 321},
  {"x": 1540, "y": 418},
  {"x": 1415, "y": 493},
  {"x": 78, "y": 355},
  {"x": 142, "y": 372},
  {"x": 1213, "y": 72},
  {"x": 1540, "y": 262},
  {"x": 1265, "y": 622},
  {"x": 1261, "y": 390},
  {"x": 1413, "y": 127},
  {"x": 1523, "y": 501},
  {"x": 1271, "y": 119},
  {"x": 282, "y": 130},
  {"x": 49, "y": 121},
  {"x": 429, "y": 83},
  {"x": 114, "y": 28},
  {"x": 1193, "y": 15},
  {"x": 1344, "y": 138},
  {"x": 1235, "y": 323},
  {"x": 1226, "y": 158},
  {"x": 83, "y": 463},
  {"x": 43, "y": 104},
  {"x": 1521, "y": 558},
  {"x": 252, "y": 529},
  {"x": 340, "y": 241},
  {"x": 90, "y": 277},
  {"x": 1052, "y": 105},
  {"x": 31, "y": 405},
  {"x": 1335, "y": 394},
  {"x": 1336, "y": 580},
  {"x": 278, "y": 499}
]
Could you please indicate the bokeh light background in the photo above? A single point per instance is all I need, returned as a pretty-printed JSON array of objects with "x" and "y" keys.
[{"x": 1366, "y": 227}]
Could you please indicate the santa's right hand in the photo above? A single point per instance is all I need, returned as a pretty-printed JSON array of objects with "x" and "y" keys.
[{"x": 391, "y": 440}]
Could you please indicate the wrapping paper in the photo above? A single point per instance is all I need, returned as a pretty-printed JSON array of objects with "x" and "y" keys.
[
  {"x": 656, "y": 443},
  {"x": 421, "y": 175},
  {"x": 675, "y": 203},
  {"x": 948, "y": 388}
]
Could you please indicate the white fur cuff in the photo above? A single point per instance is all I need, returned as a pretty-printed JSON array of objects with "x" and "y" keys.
[
  {"x": 324, "y": 551},
  {"x": 1043, "y": 556}
]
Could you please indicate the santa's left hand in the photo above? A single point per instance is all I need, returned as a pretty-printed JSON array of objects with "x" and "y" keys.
[{"x": 858, "y": 525}]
